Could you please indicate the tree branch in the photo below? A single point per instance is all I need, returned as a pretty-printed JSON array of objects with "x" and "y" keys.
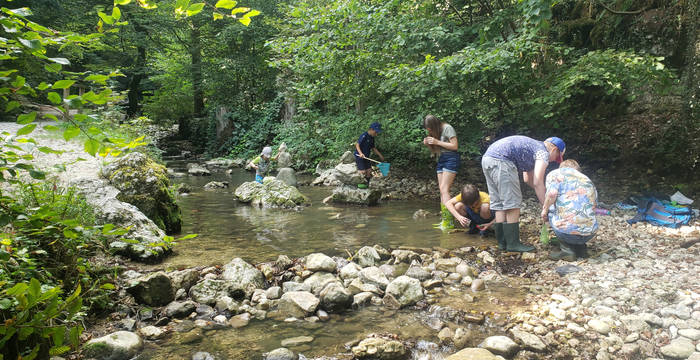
[{"x": 620, "y": 12}]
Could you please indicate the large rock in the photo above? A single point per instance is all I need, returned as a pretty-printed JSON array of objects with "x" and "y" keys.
[
  {"x": 500, "y": 345},
  {"x": 335, "y": 298},
  {"x": 242, "y": 278},
  {"x": 273, "y": 193},
  {"x": 380, "y": 349},
  {"x": 221, "y": 163},
  {"x": 298, "y": 304},
  {"x": 350, "y": 271},
  {"x": 320, "y": 262},
  {"x": 473, "y": 354},
  {"x": 287, "y": 175},
  {"x": 184, "y": 279},
  {"x": 146, "y": 238},
  {"x": 318, "y": 281},
  {"x": 154, "y": 290},
  {"x": 352, "y": 195},
  {"x": 197, "y": 170},
  {"x": 144, "y": 183},
  {"x": 216, "y": 185},
  {"x": 347, "y": 158},
  {"x": 179, "y": 309},
  {"x": 348, "y": 174},
  {"x": 326, "y": 178},
  {"x": 372, "y": 275},
  {"x": 406, "y": 290},
  {"x": 529, "y": 341},
  {"x": 121, "y": 345},
  {"x": 209, "y": 290},
  {"x": 367, "y": 256}
]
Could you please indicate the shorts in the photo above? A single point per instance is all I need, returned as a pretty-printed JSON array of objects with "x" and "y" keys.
[
  {"x": 476, "y": 218},
  {"x": 503, "y": 181},
  {"x": 448, "y": 162},
  {"x": 573, "y": 239},
  {"x": 259, "y": 178},
  {"x": 362, "y": 164}
]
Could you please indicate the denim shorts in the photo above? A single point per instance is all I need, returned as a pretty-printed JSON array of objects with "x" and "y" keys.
[
  {"x": 448, "y": 162},
  {"x": 259, "y": 178}
]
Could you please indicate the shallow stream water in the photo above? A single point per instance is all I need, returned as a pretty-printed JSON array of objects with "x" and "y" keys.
[{"x": 228, "y": 229}]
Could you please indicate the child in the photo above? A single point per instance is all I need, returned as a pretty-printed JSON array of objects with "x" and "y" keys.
[
  {"x": 363, "y": 146},
  {"x": 261, "y": 164},
  {"x": 472, "y": 208}
]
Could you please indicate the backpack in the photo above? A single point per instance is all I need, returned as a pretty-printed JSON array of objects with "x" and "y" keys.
[{"x": 661, "y": 213}]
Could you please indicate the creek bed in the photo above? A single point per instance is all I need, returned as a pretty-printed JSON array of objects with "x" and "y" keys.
[{"x": 228, "y": 229}]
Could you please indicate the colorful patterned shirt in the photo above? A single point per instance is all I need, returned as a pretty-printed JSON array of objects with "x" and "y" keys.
[
  {"x": 520, "y": 150},
  {"x": 573, "y": 212}
]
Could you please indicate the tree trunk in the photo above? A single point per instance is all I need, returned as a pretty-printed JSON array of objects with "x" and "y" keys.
[
  {"x": 134, "y": 96},
  {"x": 691, "y": 73},
  {"x": 196, "y": 53}
]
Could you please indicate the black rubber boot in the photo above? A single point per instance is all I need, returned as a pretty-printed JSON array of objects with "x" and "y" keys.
[
  {"x": 581, "y": 251},
  {"x": 500, "y": 236},
  {"x": 511, "y": 232},
  {"x": 566, "y": 252}
]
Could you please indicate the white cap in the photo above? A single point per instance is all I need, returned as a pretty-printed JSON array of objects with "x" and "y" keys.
[{"x": 267, "y": 151}]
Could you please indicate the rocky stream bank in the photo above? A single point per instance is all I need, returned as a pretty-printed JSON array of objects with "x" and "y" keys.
[{"x": 636, "y": 297}]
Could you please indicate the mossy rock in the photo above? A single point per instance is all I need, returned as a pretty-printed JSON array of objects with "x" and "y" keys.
[
  {"x": 272, "y": 193},
  {"x": 144, "y": 183}
]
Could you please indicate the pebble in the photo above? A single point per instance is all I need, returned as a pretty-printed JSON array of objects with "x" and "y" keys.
[
  {"x": 296, "y": 341},
  {"x": 680, "y": 348},
  {"x": 576, "y": 328},
  {"x": 632, "y": 337},
  {"x": 692, "y": 334},
  {"x": 599, "y": 326},
  {"x": 478, "y": 285}
]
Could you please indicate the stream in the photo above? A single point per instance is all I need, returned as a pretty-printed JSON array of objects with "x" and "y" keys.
[{"x": 228, "y": 229}]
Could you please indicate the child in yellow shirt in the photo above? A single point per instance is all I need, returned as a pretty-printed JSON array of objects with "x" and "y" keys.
[{"x": 472, "y": 208}]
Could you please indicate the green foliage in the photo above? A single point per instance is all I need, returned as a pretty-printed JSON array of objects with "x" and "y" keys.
[{"x": 49, "y": 237}]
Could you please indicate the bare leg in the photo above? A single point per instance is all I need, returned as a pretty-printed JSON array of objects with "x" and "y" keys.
[
  {"x": 512, "y": 215},
  {"x": 445, "y": 180}
]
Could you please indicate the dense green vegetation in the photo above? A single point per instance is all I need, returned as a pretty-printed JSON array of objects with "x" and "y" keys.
[{"x": 617, "y": 79}]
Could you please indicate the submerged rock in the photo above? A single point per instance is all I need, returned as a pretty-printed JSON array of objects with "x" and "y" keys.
[
  {"x": 473, "y": 354},
  {"x": 121, "y": 345},
  {"x": 280, "y": 354},
  {"x": 272, "y": 193},
  {"x": 379, "y": 348},
  {"x": 216, "y": 185},
  {"x": 144, "y": 183},
  {"x": 352, "y": 195}
]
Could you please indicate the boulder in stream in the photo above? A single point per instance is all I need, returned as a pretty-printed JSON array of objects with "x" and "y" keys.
[
  {"x": 197, "y": 170},
  {"x": 144, "y": 183},
  {"x": 121, "y": 345},
  {"x": 242, "y": 278},
  {"x": 216, "y": 185},
  {"x": 379, "y": 348},
  {"x": 287, "y": 175},
  {"x": 155, "y": 289},
  {"x": 272, "y": 193},
  {"x": 406, "y": 290},
  {"x": 346, "y": 194}
]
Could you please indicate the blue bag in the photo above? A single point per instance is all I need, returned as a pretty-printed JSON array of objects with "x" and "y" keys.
[{"x": 661, "y": 213}]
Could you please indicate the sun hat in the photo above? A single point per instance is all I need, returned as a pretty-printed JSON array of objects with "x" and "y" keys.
[
  {"x": 376, "y": 127},
  {"x": 267, "y": 151},
  {"x": 559, "y": 143}
]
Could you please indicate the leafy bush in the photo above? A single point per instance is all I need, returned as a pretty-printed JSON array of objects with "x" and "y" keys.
[{"x": 48, "y": 238}]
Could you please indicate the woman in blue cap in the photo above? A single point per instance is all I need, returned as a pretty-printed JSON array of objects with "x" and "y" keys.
[
  {"x": 363, "y": 146},
  {"x": 502, "y": 163}
]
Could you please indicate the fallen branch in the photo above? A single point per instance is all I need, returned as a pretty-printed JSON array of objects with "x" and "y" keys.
[{"x": 688, "y": 243}]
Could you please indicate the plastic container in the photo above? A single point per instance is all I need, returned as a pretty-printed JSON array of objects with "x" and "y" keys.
[{"x": 600, "y": 211}]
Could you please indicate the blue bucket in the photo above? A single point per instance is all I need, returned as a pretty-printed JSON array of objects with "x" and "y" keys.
[{"x": 384, "y": 168}]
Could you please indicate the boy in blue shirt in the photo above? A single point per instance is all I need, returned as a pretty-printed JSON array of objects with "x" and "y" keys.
[{"x": 363, "y": 146}]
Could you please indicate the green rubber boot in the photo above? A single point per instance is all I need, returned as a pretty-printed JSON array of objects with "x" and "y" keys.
[
  {"x": 500, "y": 236},
  {"x": 448, "y": 221},
  {"x": 566, "y": 252},
  {"x": 511, "y": 232}
]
